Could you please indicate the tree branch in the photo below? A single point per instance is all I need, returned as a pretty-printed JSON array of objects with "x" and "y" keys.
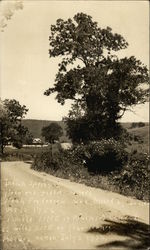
[
  {"x": 122, "y": 113},
  {"x": 80, "y": 58}
]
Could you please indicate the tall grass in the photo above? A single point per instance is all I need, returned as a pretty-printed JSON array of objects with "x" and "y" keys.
[
  {"x": 130, "y": 180},
  {"x": 25, "y": 154}
]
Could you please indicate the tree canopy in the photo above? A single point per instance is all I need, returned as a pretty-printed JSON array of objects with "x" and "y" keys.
[
  {"x": 102, "y": 85},
  {"x": 52, "y": 132},
  {"x": 11, "y": 128}
]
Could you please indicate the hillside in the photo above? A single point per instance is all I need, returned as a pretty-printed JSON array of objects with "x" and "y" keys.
[
  {"x": 143, "y": 132},
  {"x": 35, "y": 127}
]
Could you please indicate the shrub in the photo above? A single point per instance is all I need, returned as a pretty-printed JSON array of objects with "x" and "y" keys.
[
  {"x": 63, "y": 163},
  {"x": 135, "y": 175},
  {"x": 137, "y": 124},
  {"x": 141, "y": 124},
  {"x": 126, "y": 174},
  {"x": 45, "y": 160},
  {"x": 102, "y": 156},
  {"x": 16, "y": 156},
  {"x": 134, "y": 125}
]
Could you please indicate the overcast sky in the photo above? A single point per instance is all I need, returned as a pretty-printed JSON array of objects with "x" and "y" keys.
[{"x": 26, "y": 70}]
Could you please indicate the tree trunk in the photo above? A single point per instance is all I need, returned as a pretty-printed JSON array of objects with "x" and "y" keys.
[{"x": 51, "y": 150}]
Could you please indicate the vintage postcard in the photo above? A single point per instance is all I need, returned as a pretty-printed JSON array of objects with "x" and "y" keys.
[{"x": 74, "y": 124}]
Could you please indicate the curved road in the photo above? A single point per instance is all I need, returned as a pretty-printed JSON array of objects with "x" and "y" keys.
[{"x": 40, "y": 211}]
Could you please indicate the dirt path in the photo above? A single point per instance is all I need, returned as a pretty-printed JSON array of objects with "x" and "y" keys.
[{"x": 43, "y": 212}]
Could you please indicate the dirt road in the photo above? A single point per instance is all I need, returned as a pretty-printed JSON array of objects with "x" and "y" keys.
[{"x": 41, "y": 212}]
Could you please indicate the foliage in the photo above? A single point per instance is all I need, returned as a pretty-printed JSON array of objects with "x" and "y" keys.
[
  {"x": 132, "y": 179},
  {"x": 137, "y": 124},
  {"x": 135, "y": 175},
  {"x": 84, "y": 130},
  {"x": 2, "y": 110},
  {"x": 141, "y": 124},
  {"x": 23, "y": 154},
  {"x": 134, "y": 125},
  {"x": 52, "y": 132},
  {"x": 45, "y": 160},
  {"x": 102, "y": 156},
  {"x": 28, "y": 140},
  {"x": 60, "y": 162},
  {"x": 98, "y": 157},
  {"x": 11, "y": 128},
  {"x": 101, "y": 85}
]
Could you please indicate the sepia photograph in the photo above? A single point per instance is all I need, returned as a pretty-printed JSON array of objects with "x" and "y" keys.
[{"x": 74, "y": 124}]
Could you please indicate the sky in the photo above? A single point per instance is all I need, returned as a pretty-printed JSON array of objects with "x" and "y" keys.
[{"x": 26, "y": 70}]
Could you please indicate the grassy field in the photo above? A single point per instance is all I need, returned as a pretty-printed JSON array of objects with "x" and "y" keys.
[
  {"x": 25, "y": 153},
  {"x": 35, "y": 127},
  {"x": 143, "y": 133}
]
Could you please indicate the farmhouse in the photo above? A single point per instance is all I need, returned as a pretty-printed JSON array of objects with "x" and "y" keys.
[{"x": 37, "y": 141}]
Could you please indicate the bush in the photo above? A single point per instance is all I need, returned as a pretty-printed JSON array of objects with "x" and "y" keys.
[
  {"x": 98, "y": 157},
  {"x": 135, "y": 175},
  {"x": 61, "y": 159},
  {"x": 16, "y": 156},
  {"x": 138, "y": 124},
  {"x": 141, "y": 124},
  {"x": 126, "y": 174},
  {"x": 45, "y": 160},
  {"x": 102, "y": 156},
  {"x": 63, "y": 164}
]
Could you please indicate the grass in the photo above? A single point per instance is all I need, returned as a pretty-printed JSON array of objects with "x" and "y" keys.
[
  {"x": 80, "y": 174},
  {"x": 143, "y": 134},
  {"x": 35, "y": 127},
  {"x": 23, "y": 154},
  {"x": 131, "y": 180},
  {"x": 106, "y": 182},
  {"x": 76, "y": 173}
]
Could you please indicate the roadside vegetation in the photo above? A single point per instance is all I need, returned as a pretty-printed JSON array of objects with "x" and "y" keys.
[
  {"x": 26, "y": 153},
  {"x": 102, "y": 88},
  {"x": 101, "y": 166}
]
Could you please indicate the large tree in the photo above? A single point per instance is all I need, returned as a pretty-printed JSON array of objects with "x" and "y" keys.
[
  {"x": 11, "y": 128},
  {"x": 52, "y": 132},
  {"x": 102, "y": 86}
]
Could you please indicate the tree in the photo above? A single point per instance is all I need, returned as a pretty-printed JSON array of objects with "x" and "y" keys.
[
  {"x": 141, "y": 124},
  {"x": 134, "y": 125},
  {"x": 101, "y": 85},
  {"x": 52, "y": 132},
  {"x": 28, "y": 140},
  {"x": 11, "y": 128}
]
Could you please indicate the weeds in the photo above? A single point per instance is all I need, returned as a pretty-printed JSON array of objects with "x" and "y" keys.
[{"x": 129, "y": 179}]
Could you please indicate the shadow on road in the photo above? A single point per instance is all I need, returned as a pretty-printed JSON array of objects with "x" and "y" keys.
[{"x": 138, "y": 234}]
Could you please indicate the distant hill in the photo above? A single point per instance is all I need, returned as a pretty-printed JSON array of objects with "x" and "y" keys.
[
  {"x": 35, "y": 127},
  {"x": 142, "y": 132}
]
